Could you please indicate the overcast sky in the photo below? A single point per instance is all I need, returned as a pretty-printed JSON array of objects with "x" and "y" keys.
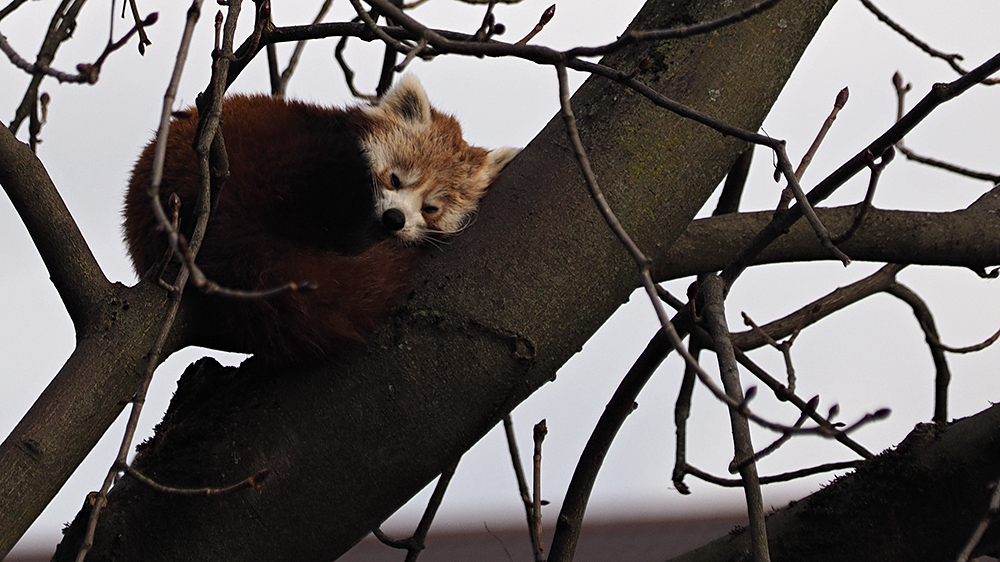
[{"x": 868, "y": 357}]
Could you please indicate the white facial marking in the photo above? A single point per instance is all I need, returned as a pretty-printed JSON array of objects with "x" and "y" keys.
[{"x": 409, "y": 201}]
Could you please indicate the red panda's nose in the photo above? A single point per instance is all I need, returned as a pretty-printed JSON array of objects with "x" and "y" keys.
[{"x": 393, "y": 219}]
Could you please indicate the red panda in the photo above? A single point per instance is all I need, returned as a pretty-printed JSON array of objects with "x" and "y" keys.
[{"x": 341, "y": 197}]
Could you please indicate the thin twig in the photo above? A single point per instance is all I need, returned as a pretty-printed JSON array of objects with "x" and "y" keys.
[
  {"x": 547, "y": 16},
  {"x": 939, "y": 94},
  {"x": 486, "y": 30},
  {"x": 538, "y": 436},
  {"x": 254, "y": 481},
  {"x": 942, "y": 373},
  {"x": 807, "y": 208},
  {"x": 784, "y": 347},
  {"x": 783, "y": 477},
  {"x": 818, "y": 309},
  {"x": 522, "y": 482},
  {"x": 415, "y": 544},
  {"x": 865, "y": 206},
  {"x": 140, "y": 26},
  {"x": 712, "y": 288},
  {"x": 839, "y": 102},
  {"x": 823, "y": 425},
  {"x": 901, "y": 91},
  {"x": 682, "y": 411},
  {"x": 86, "y": 73},
  {"x": 293, "y": 60},
  {"x": 338, "y": 54},
  {"x": 968, "y": 349},
  {"x": 737, "y": 464},
  {"x": 153, "y": 357},
  {"x": 952, "y": 59}
]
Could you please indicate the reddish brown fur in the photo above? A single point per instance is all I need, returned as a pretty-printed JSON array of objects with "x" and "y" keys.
[{"x": 262, "y": 236}]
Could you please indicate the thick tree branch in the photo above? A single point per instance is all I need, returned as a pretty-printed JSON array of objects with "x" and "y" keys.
[
  {"x": 967, "y": 238},
  {"x": 927, "y": 495},
  {"x": 71, "y": 265},
  {"x": 782, "y": 221},
  {"x": 83, "y": 399}
]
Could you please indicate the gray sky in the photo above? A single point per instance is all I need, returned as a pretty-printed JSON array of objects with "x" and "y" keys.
[{"x": 868, "y": 357}]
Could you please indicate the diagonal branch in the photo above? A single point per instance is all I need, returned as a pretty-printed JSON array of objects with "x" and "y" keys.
[
  {"x": 71, "y": 265},
  {"x": 950, "y": 58}
]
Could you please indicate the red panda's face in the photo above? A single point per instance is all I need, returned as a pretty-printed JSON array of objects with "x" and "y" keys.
[{"x": 428, "y": 181}]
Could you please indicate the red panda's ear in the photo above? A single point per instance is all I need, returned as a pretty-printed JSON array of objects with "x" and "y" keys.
[
  {"x": 406, "y": 102},
  {"x": 497, "y": 158}
]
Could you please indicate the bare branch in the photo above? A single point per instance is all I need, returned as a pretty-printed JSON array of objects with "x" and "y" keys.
[
  {"x": 715, "y": 317},
  {"x": 154, "y": 356},
  {"x": 823, "y": 425},
  {"x": 415, "y": 543},
  {"x": 901, "y": 91},
  {"x": 838, "y": 104},
  {"x": 783, "y": 477},
  {"x": 538, "y": 436},
  {"x": 785, "y": 348},
  {"x": 547, "y": 16},
  {"x": 939, "y": 94},
  {"x": 60, "y": 28},
  {"x": 140, "y": 27},
  {"x": 737, "y": 464},
  {"x": 9, "y": 8},
  {"x": 865, "y": 206},
  {"x": 676, "y": 33},
  {"x": 942, "y": 376},
  {"x": 68, "y": 259},
  {"x": 968, "y": 349},
  {"x": 682, "y": 411},
  {"x": 818, "y": 309},
  {"x": 802, "y": 202},
  {"x": 278, "y": 88},
  {"x": 255, "y": 481},
  {"x": 622, "y": 403},
  {"x": 522, "y": 483},
  {"x": 951, "y": 59},
  {"x": 87, "y": 73}
]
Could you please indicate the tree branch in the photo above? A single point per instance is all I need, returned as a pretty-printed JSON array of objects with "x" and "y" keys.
[
  {"x": 782, "y": 221},
  {"x": 71, "y": 265},
  {"x": 967, "y": 238},
  {"x": 929, "y": 493},
  {"x": 495, "y": 299}
]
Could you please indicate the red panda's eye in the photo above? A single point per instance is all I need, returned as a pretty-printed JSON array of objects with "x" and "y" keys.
[
  {"x": 429, "y": 209},
  {"x": 394, "y": 181}
]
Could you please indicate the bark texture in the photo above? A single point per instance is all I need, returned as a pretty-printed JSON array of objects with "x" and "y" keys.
[
  {"x": 115, "y": 326},
  {"x": 919, "y": 501},
  {"x": 490, "y": 319},
  {"x": 966, "y": 238}
]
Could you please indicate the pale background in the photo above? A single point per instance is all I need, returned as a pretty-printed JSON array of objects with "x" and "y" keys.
[{"x": 868, "y": 357}]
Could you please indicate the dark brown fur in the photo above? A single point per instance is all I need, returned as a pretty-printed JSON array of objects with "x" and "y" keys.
[{"x": 298, "y": 196}]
